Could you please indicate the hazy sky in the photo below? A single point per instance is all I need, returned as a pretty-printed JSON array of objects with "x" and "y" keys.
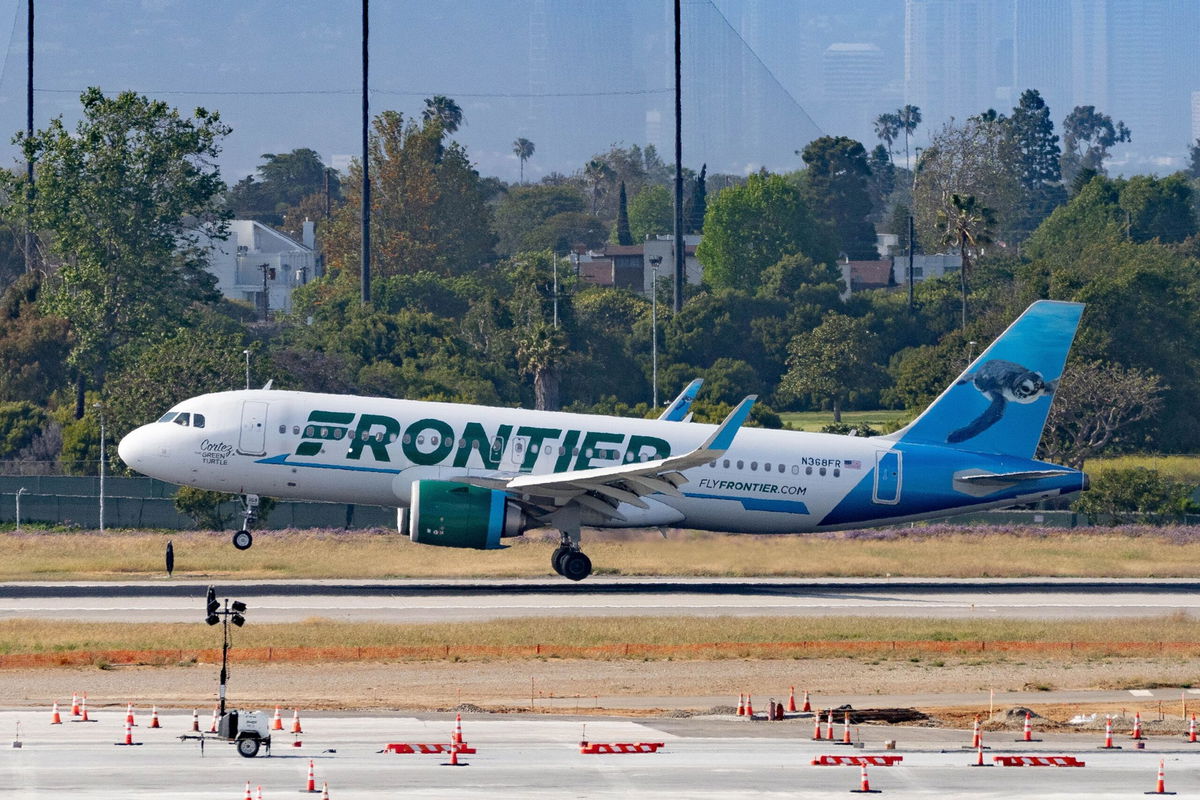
[{"x": 574, "y": 76}]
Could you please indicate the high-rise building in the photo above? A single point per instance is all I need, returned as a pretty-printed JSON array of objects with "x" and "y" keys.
[
  {"x": 1195, "y": 118},
  {"x": 1138, "y": 75},
  {"x": 1042, "y": 51},
  {"x": 853, "y": 77}
]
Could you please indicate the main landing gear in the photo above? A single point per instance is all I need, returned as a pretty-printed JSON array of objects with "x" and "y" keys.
[
  {"x": 243, "y": 538},
  {"x": 569, "y": 561}
]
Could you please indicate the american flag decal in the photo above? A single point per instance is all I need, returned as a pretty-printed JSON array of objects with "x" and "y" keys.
[{"x": 853, "y": 463}]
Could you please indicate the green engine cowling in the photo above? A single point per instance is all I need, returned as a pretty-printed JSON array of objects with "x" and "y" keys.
[{"x": 449, "y": 514}]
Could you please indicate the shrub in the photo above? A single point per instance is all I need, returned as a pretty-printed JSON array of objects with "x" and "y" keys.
[{"x": 1125, "y": 492}]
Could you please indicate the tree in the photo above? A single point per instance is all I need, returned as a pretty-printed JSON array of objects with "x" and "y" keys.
[
  {"x": 1040, "y": 170},
  {"x": 428, "y": 208},
  {"x": 978, "y": 158},
  {"x": 1087, "y": 137},
  {"x": 523, "y": 150},
  {"x": 445, "y": 111},
  {"x": 624, "y": 237},
  {"x": 887, "y": 128},
  {"x": 833, "y": 359},
  {"x": 836, "y": 181},
  {"x": 33, "y": 347},
  {"x": 1157, "y": 208},
  {"x": 599, "y": 174},
  {"x": 910, "y": 118},
  {"x": 523, "y": 209},
  {"x": 650, "y": 212},
  {"x": 968, "y": 226},
  {"x": 697, "y": 204},
  {"x": 130, "y": 201},
  {"x": 1095, "y": 405},
  {"x": 750, "y": 227},
  {"x": 285, "y": 179},
  {"x": 541, "y": 350}
]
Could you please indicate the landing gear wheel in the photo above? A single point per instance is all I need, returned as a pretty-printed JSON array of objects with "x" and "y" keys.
[
  {"x": 247, "y": 748},
  {"x": 575, "y": 566},
  {"x": 556, "y": 558},
  {"x": 242, "y": 541}
]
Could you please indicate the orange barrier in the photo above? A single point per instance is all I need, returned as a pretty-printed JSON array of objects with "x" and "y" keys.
[
  {"x": 428, "y": 749},
  {"x": 629, "y": 650},
  {"x": 1038, "y": 761},
  {"x": 616, "y": 748},
  {"x": 856, "y": 761}
]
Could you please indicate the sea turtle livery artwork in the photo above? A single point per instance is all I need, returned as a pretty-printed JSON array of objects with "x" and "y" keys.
[{"x": 1001, "y": 382}]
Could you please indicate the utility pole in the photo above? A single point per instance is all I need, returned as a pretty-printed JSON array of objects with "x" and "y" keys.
[
  {"x": 29, "y": 132},
  {"x": 679, "y": 251},
  {"x": 365, "y": 256},
  {"x": 911, "y": 229},
  {"x": 654, "y": 262},
  {"x": 266, "y": 303},
  {"x": 100, "y": 408}
]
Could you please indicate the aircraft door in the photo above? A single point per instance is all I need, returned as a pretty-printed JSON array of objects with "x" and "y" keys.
[
  {"x": 888, "y": 474},
  {"x": 253, "y": 439}
]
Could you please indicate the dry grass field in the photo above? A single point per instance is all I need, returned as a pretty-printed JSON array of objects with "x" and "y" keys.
[{"x": 929, "y": 551}]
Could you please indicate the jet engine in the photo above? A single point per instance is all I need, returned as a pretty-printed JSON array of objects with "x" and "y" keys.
[{"x": 449, "y": 514}]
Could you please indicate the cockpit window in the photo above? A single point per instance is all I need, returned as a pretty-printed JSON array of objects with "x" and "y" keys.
[
  {"x": 167, "y": 417},
  {"x": 183, "y": 419},
  {"x": 197, "y": 420}
]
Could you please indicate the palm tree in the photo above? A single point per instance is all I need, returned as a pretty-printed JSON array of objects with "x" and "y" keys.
[
  {"x": 967, "y": 225},
  {"x": 444, "y": 110},
  {"x": 541, "y": 352},
  {"x": 910, "y": 118},
  {"x": 523, "y": 148},
  {"x": 598, "y": 172},
  {"x": 887, "y": 128}
]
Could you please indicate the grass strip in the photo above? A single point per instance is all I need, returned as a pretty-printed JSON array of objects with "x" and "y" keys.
[{"x": 923, "y": 551}]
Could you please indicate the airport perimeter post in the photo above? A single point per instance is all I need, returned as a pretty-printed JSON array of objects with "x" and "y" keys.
[{"x": 100, "y": 407}]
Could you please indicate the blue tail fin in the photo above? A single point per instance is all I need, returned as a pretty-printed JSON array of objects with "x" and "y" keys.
[{"x": 999, "y": 404}]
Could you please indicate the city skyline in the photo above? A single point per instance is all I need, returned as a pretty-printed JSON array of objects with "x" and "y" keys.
[{"x": 762, "y": 78}]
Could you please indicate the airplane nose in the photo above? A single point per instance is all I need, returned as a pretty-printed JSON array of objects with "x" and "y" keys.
[{"x": 136, "y": 448}]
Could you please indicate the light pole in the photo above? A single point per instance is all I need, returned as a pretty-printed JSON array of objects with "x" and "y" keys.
[
  {"x": 103, "y": 442},
  {"x": 20, "y": 492},
  {"x": 231, "y": 613},
  {"x": 556, "y": 291},
  {"x": 246, "y": 353},
  {"x": 655, "y": 261}
]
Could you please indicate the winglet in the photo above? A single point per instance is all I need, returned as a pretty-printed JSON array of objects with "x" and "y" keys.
[
  {"x": 722, "y": 437},
  {"x": 678, "y": 410}
]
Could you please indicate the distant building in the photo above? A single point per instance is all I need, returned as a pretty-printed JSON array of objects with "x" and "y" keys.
[
  {"x": 256, "y": 257},
  {"x": 854, "y": 75},
  {"x": 1195, "y": 117},
  {"x": 891, "y": 273},
  {"x": 630, "y": 266}
]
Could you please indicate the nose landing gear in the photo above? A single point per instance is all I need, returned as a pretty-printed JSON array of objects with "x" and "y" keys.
[{"x": 243, "y": 539}]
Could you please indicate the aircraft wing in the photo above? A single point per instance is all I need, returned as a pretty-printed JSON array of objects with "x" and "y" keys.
[
  {"x": 678, "y": 410},
  {"x": 603, "y": 488}
]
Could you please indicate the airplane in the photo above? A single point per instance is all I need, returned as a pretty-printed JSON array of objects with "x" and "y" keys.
[{"x": 471, "y": 476}]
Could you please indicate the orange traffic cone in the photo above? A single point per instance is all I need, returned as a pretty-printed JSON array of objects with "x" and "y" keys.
[
  {"x": 807, "y": 705},
  {"x": 311, "y": 785},
  {"x": 816, "y": 727},
  {"x": 741, "y": 711},
  {"x": 128, "y": 737},
  {"x": 1160, "y": 787},
  {"x": 55, "y": 717},
  {"x": 749, "y": 707},
  {"x": 154, "y": 717},
  {"x": 276, "y": 721},
  {"x": 458, "y": 729},
  {"x": 829, "y": 726},
  {"x": 74, "y": 704},
  {"x": 195, "y": 720},
  {"x": 259, "y": 794},
  {"x": 1137, "y": 726},
  {"x": 864, "y": 784},
  {"x": 1027, "y": 735},
  {"x": 248, "y": 795},
  {"x": 1108, "y": 745},
  {"x": 979, "y": 757},
  {"x": 83, "y": 715},
  {"x": 1192, "y": 729},
  {"x": 296, "y": 721},
  {"x": 846, "y": 730},
  {"x": 976, "y": 736},
  {"x": 129, "y": 714},
  {"x": 213, "y": 728},
  {"x": 324, "y": 790},
  {"x": 791, "y": 706}
]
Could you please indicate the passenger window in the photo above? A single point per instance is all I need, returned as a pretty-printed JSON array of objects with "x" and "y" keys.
[
  {"x": 462, "y": 444},
  {"x": 308, "y": 431},
  {"x": 754, "y": 466},
  {"x": 420, "y": 440},
  {"x": 782, "y": 469},
  {"x": 338, "y": 433},
  {"x": 379, "y": 436},
  {"x": 170, "y": 415},
  {"x": 197, "y": 420},
  {"x": 741, "y": 464},
  {"x": 435, "y": 440},
  {"x": 183, "y": 419},
  {"x": 726, "y": 464},
  {"x": 546, "y": 449},
  {"x": 518, "y": 446},
  {"x": 808, "y": 470},
  {"x": 837, "y": 473},
  {"x": 795, "y": 469},
  {"x": 407, "y": 438},
  {"x": 283, "y": 428},
  {"x": 296, "y": 431},
  {"x": 822, "y": 472}
]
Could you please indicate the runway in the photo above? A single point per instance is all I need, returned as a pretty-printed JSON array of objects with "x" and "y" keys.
[
  {"x": 476, "y": 600},
  {"x": 523, "y": 757}
]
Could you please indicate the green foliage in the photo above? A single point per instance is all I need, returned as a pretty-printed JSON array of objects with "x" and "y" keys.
[
  {"x": 213, "y": 511},
  {"x": 621, "y": 233},
  {"x": 836, "y": 184},
  {"x": 1128, "y": 492},
  {"x": 563, "y": 233},
  {"x": 1040, "y": 157},
  {"x": 1087, "y": 137},
  {"x": 284, "y": 180},
  {"x": 651, "y": 212},
  {"x": 19, "y": 423},
  {"x": 848, "y": 429},
  {"x": 523, "y": 150},
  {"x": 831, "y": 360},
  {"x": 121, "y": 198},
  {"x": 750, "y": 227},
  {"x": 524, "y": 208},
  {"x": 696, "y": 205},
  {"x": 33, "y": 347}
]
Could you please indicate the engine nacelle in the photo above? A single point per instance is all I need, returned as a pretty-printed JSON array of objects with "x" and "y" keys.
[{"x": 449, "y": 514}]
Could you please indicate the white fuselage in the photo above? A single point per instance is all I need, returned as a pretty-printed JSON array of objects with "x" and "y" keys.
[{"x": 351, "y": 449}]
